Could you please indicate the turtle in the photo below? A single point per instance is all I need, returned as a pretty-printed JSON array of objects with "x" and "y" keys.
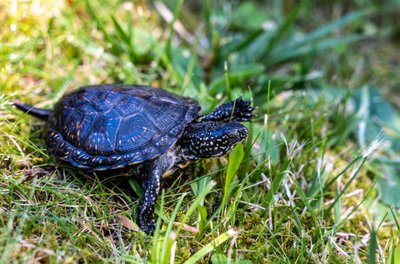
[{"x": 147, "y": 132}]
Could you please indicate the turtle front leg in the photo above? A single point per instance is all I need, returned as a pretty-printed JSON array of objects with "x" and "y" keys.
[{"x": 238, "y": 110}]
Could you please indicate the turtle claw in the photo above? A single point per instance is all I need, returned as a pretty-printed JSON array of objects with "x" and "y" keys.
[
  {"x": 147, "y": 227},
  {"x": 146, "y": 223},
  {"x": 243, "y": 111}
]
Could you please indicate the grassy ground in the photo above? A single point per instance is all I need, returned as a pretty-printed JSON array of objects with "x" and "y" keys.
[{"x": 317, "y": 178}]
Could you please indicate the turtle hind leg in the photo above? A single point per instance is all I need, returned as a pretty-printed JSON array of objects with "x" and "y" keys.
[
  {"x": 151, "y": 187},
  {"x": 238, "y": 110},
  {"x": 34, "y": 111}
]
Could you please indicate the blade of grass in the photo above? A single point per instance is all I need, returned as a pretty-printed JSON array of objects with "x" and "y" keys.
[
  {"x": 136, "y": 188},
  {"x": 177, "y": 11},
  {"x": 348, "y": 166},
  {"x": 276, "y": 184},
  {"x": 326, "y": 29},
  {"x": 373, "y": 244},
  {"x": 234, "y": 162},
  {"x": 235, "y": 76},
  {"x": 99, "y": 22},
  {"x": 352, "y": 178},
  {"x": 195, "y": 204},
  {"x": 125, "y": 38},
  {"x": 198, "y": 188},
  {"x": 242, "y": 44},
  {"x": 156, "y": 238},
  {"x": 211, "y": 246},
  {"x": 284, "y": 28},
  {"x": 227, "y": 83},
  {"x": 289, "y": 53},
  {"x": 207, "y": 18},
  {"x": 170, "y": 236}
]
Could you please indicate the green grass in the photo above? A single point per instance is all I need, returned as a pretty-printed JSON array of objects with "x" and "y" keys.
[{"x": 313, "y": 183}]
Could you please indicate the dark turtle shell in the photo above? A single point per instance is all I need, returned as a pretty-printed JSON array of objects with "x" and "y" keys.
[{"x": 103, "y": 127}]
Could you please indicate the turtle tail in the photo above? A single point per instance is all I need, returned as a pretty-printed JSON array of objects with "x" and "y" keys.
[{"x": 36, "y": 112}]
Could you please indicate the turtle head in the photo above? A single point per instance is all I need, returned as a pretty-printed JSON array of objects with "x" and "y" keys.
[{"x": 212, "y": 139}]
